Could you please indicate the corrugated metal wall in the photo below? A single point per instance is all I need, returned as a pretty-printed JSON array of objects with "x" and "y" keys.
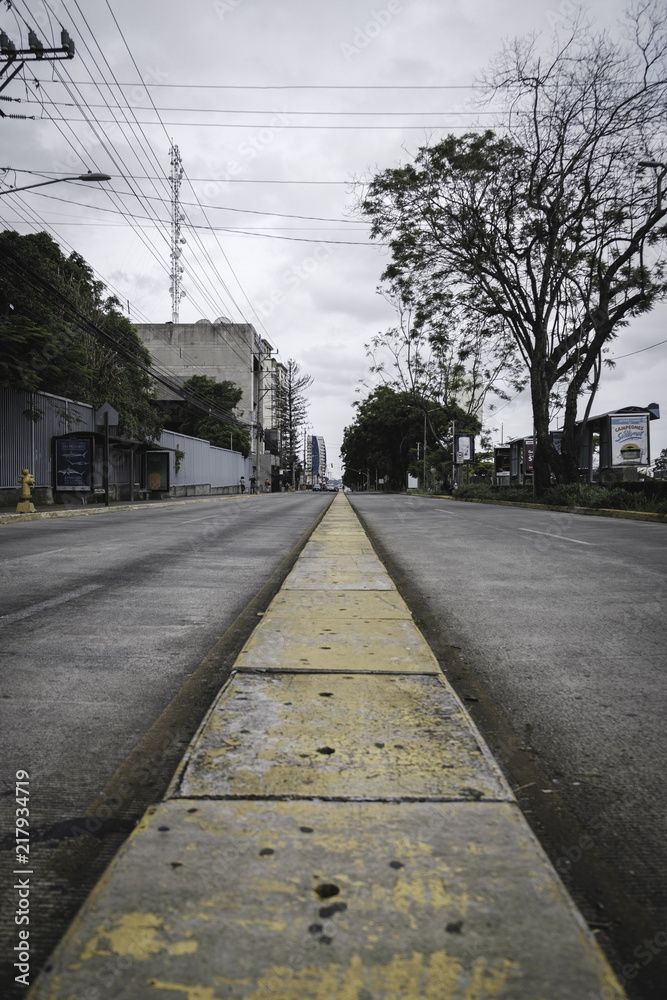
[
  {"x": 26, "y": 443},
  {"x": 204, "y": 463}
]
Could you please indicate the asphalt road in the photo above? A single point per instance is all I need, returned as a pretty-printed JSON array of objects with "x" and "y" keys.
[
  {"x": 104, "y": 621},
  {"x": 559, "y": 620}
]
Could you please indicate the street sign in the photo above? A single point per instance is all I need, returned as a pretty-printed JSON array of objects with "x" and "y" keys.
[{"x": 112, "y": 415}]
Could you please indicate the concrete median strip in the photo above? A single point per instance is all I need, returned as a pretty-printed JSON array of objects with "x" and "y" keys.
[{"x": 336, "y": 831}]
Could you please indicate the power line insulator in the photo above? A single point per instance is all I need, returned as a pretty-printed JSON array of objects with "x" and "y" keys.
[
  {"x": 7, "y": 46},
  {"x": 35, "y": 45},
  {"x": 67, "y": 43}
]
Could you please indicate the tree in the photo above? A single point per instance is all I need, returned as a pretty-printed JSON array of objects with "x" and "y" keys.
[
  {"x": 660, "y": 465},
  {"x": 224, "y": 397},
  {"x": 291, "y": 409},
  {"x": 547, "y": 230},
  {"x": 388, "y": 433},
  {"x": 43, "y": 347}
]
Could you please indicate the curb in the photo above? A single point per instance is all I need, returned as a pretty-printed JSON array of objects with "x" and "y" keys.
[{"x": 85, "y": 511}]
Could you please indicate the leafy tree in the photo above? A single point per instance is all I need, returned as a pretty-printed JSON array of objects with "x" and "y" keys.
[
  {"x": 546, "y": 231},
  {"x": 387, "y": 429},
  {"x": 291, "y": 409},
  {"x": 43, "y": 345},
  {"x": 224, "y": 397},
  {"x": 660, "y": 465}
]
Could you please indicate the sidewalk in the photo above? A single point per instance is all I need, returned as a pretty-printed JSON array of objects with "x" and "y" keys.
[
  {"x": 336, "y": 831},
  {"x": 8, "y": 516}
]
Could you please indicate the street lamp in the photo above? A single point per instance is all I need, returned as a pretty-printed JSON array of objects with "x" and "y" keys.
[
  {"x": 657, "y": 165},
  {"x": 56, "y": 180}
]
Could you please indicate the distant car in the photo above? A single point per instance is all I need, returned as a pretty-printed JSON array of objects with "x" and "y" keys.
[{"x": 317, "y": 486}]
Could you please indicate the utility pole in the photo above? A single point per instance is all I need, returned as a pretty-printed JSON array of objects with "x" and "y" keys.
[
  {"x": 176, "y": 239},
  {"x": 424, "y": 486},
  {"x": 36, "y": 51}
]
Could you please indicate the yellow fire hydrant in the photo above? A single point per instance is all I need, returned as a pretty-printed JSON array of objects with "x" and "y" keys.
[{"x": 26, "y": 480}]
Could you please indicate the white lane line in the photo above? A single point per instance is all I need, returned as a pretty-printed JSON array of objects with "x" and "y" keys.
[
  {"x": 192, "y": 520},
  {"x": 451, "y": 513},
  {"x": 209, "y": 516},
  {"x": 52, "y": 603},
  {"x": 558, "y": 538},
  {"x": 34, "y": 555}
]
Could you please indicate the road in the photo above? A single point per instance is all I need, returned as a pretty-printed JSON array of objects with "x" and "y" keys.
[
  {"x": 104, "y": 622},
  {"x": 561, "y": 634}
]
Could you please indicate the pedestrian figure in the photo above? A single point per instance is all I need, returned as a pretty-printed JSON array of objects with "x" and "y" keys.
[
  {"x": 242, "y": 484},
  {"x": 252, "y": 484}
]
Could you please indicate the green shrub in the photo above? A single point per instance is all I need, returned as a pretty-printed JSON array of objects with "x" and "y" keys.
[{"x": 616, "y": 497}]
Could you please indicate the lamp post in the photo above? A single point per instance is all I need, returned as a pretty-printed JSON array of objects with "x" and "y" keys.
[
  {"x": 56, "y": 180},
  {"x": 657, "y": 165}
]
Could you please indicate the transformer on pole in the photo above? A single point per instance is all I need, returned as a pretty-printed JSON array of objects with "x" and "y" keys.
[{"x": 176, "y": 239}]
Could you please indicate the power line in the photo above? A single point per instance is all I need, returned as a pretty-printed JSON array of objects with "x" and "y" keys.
[
  {"x": 216, "y": 208},
  {"x": 303, "y": 86},
  {"x": 85, "y": 323},
  {"x": 640, "y": 351},
  {"x": 282, "y": 126}
]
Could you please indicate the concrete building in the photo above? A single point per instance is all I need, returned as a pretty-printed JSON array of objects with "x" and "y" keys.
[
  {"x": 223, "y": 350},
  {"x": 316, "y": 460}
]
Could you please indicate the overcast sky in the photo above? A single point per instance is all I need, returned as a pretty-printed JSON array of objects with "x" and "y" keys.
[{"x": 277, "y": 110}]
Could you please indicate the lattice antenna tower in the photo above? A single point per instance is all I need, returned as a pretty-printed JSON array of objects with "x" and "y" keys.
[{"x": 177, "y": 240}]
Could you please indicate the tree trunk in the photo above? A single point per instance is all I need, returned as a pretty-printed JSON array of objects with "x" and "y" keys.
[{"x": 542, "y": 459}]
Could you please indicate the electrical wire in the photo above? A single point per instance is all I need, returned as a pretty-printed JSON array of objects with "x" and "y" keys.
[
  {"x": 158, "y": 373},
  {"x": 640, "y": 351}
]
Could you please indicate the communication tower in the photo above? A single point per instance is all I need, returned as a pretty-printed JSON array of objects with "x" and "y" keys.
[{"x": 177, "y": 240}]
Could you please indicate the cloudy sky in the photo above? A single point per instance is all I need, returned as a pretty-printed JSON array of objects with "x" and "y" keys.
[{"x": 279, "y": 111}]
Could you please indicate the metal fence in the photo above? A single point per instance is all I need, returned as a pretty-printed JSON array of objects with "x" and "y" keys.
[{"x": 30, "y": 420}]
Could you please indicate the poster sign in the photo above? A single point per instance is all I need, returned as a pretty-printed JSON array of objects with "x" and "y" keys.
[
  {"x": 528, "y": 454},
  {"x": 557, "y": 441},
  {"x": 74, "y": 463},
  {"x": 464, "y": 446},
  {"x": 157, "y": 470},
  {"x": 629, "y": 439}
]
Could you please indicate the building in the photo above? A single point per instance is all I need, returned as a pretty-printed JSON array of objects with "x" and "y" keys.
[
  {"x": 316, "y": 460},
  {"x": 223, "y": 350}
]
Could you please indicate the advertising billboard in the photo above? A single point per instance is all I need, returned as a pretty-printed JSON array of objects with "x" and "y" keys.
[
  {"x": 157, "y": 470},
  {"x": 628, "y": 435},
  {"x": 528, "y": 455},
  {"x": 464, "y": 446},
  {"x": 74, "y": 463}
]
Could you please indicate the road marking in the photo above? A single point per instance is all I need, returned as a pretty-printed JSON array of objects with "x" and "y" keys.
[
  {"x": 35, "y": 555},
  {"x": 451, "y": 513},
  {"x": 52, "y": 603},
  {"x": 207, "y": 518},
  {"x": 559, "y": 538}
]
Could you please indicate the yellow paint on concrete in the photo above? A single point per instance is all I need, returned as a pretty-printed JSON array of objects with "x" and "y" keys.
[
  {"x": 338, "y": 734},
  {"x": 191, "y": 992},
  {"x": 133, "y": 934},
  {"x": 325, "y": 606},
  {"x": 346, "y": 644},
  {"x": 183, "y": 948},
  {"x": 412, "y": 977}
]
